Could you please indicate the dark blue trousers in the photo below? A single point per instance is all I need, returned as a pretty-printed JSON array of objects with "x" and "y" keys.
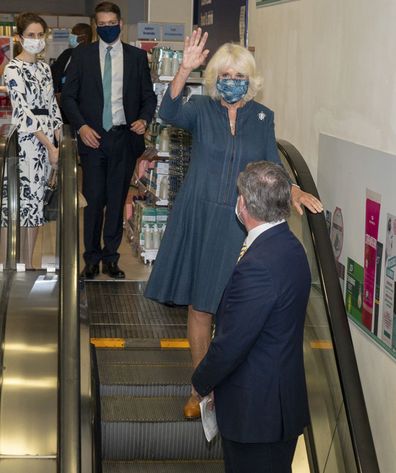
[
  {"x": 107, "y": 172},
  {"x": 274, "y": 457}
]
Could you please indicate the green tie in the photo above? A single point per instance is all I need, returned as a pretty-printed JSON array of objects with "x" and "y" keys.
[{"x": 107, "y": 115}]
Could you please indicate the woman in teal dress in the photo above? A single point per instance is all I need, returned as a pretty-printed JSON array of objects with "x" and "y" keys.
[{"x": 203, "y": 237}]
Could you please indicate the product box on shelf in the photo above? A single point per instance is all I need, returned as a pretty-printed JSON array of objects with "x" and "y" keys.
[
  {"x": 148, "y": 238},
  {"x": 162, "y": 167},
  {"x": 143, "y": 209},
  {"x": 162, "y": 214},
  {"x": 161, "y": 188},
  {"x": 159, "y": 90}
]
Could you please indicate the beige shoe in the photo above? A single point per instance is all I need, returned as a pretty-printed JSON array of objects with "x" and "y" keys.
[{"x": 191, "y": 409}]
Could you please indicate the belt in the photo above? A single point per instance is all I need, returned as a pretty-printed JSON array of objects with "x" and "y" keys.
[
  {"x": 118, "y": 127},
  {"x": 40, "y": 111}
]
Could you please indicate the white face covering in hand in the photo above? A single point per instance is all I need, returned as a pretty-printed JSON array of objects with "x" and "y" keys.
[{"x": 32, "y": 45}]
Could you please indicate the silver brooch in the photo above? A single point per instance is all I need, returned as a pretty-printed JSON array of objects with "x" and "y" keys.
[{"x": 261, "y": 116}]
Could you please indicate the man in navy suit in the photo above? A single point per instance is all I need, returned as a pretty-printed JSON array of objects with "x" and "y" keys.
[
  {"x": 108, "y": 98},
  {"x": 254, "y": 367}
]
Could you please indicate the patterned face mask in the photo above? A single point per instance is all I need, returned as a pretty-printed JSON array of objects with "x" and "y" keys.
[
  {"x": 33, "y": 46},
  {"x": 232, "y": 90}
]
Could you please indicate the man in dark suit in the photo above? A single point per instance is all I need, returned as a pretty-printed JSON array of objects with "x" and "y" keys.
[
  {"x": 108, "y": 98},
  {"x": 254, "y": 367}
]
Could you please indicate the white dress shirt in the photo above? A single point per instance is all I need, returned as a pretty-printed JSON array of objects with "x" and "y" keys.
[
  {"x": 257, "y": 231},
  {"x": 117, "y": 76}
]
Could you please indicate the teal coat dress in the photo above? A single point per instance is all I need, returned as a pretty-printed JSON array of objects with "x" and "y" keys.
[{"x": 203, "y": 236}]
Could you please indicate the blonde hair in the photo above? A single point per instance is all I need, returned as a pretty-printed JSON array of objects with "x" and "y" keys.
[{"x": 236, "y": 57}]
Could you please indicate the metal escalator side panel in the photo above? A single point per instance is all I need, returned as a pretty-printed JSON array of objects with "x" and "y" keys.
[{"x": 28, "y": 409}]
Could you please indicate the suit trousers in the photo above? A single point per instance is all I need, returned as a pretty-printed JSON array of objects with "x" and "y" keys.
[
  {"x": 107, "y": 172},
  {"x": 274, "y": 457}
]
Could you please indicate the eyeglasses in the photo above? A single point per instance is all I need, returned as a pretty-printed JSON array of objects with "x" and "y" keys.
[
  {"x": 235, "y": 76},
  {"x": 108, "y": 23},
  {"x": 34, "y": 36}
]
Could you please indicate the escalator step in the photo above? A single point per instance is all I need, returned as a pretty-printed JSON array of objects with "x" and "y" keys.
[
  {"x": 142, "y": 409},
  {"x": 143, "y": 390},
  {"x": 144, "y": 380},
  {"x": 137, "y": 331},
  {"x": 115, "y": 287},
  {"x": 164, "y": 467},
  {"x": 119, "y": 310},
  {"x": 158, "y": 441},
  {"x": 114, "y": 310},
  {"x": 142, "y": 357},
  {"x": 152, "y": 429},
  {"x": 147, "y": 374}
]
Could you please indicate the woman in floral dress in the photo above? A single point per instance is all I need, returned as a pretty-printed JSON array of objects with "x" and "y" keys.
[{"x": 37, "y": 117}]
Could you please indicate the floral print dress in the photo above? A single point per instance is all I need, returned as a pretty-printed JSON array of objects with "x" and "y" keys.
[{"x": 34, "y": 108}]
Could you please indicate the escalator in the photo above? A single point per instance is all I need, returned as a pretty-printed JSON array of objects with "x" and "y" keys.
[
  {"x": 66, "y": 406},
  {"x": 144, "y": 384}
]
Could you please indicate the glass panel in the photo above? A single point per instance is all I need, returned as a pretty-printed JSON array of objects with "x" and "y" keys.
[{"x": 332, "y": 438}]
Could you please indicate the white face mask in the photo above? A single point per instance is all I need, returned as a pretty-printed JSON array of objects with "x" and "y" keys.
[
  {"x": 237, "y": 212},
  {"x": 33, "y": 46}
]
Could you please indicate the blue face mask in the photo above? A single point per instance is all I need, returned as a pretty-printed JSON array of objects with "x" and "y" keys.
[
  {"x": 108, "y": 33},
  {"x": 232, "y": 90},
  {"x": 73, "y": 40}
]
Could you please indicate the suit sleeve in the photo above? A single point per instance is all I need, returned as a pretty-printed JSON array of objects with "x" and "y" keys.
[
  {"x": 249, "y": 302},
  {"x": 71, "y": 90},
  {"x": 148, "y": 101}
]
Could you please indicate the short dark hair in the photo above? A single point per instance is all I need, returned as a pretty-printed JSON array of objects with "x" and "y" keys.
[
  {"x": 83, "y": 29},
  {"x": 26, "y": 19},
  {"x": 108, "y": 7},
  {"x": 266, "y": 188}
]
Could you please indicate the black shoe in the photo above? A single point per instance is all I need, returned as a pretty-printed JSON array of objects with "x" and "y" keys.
[
  {"x": 90, "y": 271},
  {"x": 113, "y": 270}
]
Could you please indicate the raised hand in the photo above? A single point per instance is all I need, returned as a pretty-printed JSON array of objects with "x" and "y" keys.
[{"x": 194, "y": 54}]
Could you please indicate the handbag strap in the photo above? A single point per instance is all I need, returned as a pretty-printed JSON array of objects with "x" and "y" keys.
[{"x": 53, "y": 179}]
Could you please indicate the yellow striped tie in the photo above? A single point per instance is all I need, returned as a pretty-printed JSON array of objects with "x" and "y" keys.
[{"x": 243, "y": 250}]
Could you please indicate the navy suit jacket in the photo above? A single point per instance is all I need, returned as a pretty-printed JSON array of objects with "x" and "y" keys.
[
  {"x": 82, "y": 94},
  {"x": 255, "y": 361}
]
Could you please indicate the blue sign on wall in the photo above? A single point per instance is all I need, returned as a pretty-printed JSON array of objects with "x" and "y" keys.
[
  {"x": 173, "y": 32},
  {"x": 149, "y": 31}
]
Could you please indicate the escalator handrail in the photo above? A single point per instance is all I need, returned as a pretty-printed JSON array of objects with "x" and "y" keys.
[
  {"x": 69, "y": 438},
  {"x": 355, "y": 407},
  {"x": 5, "y": 141},
  {"x": 8, "y": 149}
]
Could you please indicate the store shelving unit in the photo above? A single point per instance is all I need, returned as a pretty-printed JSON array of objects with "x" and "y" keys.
[{"x": 172, "y": 165}]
